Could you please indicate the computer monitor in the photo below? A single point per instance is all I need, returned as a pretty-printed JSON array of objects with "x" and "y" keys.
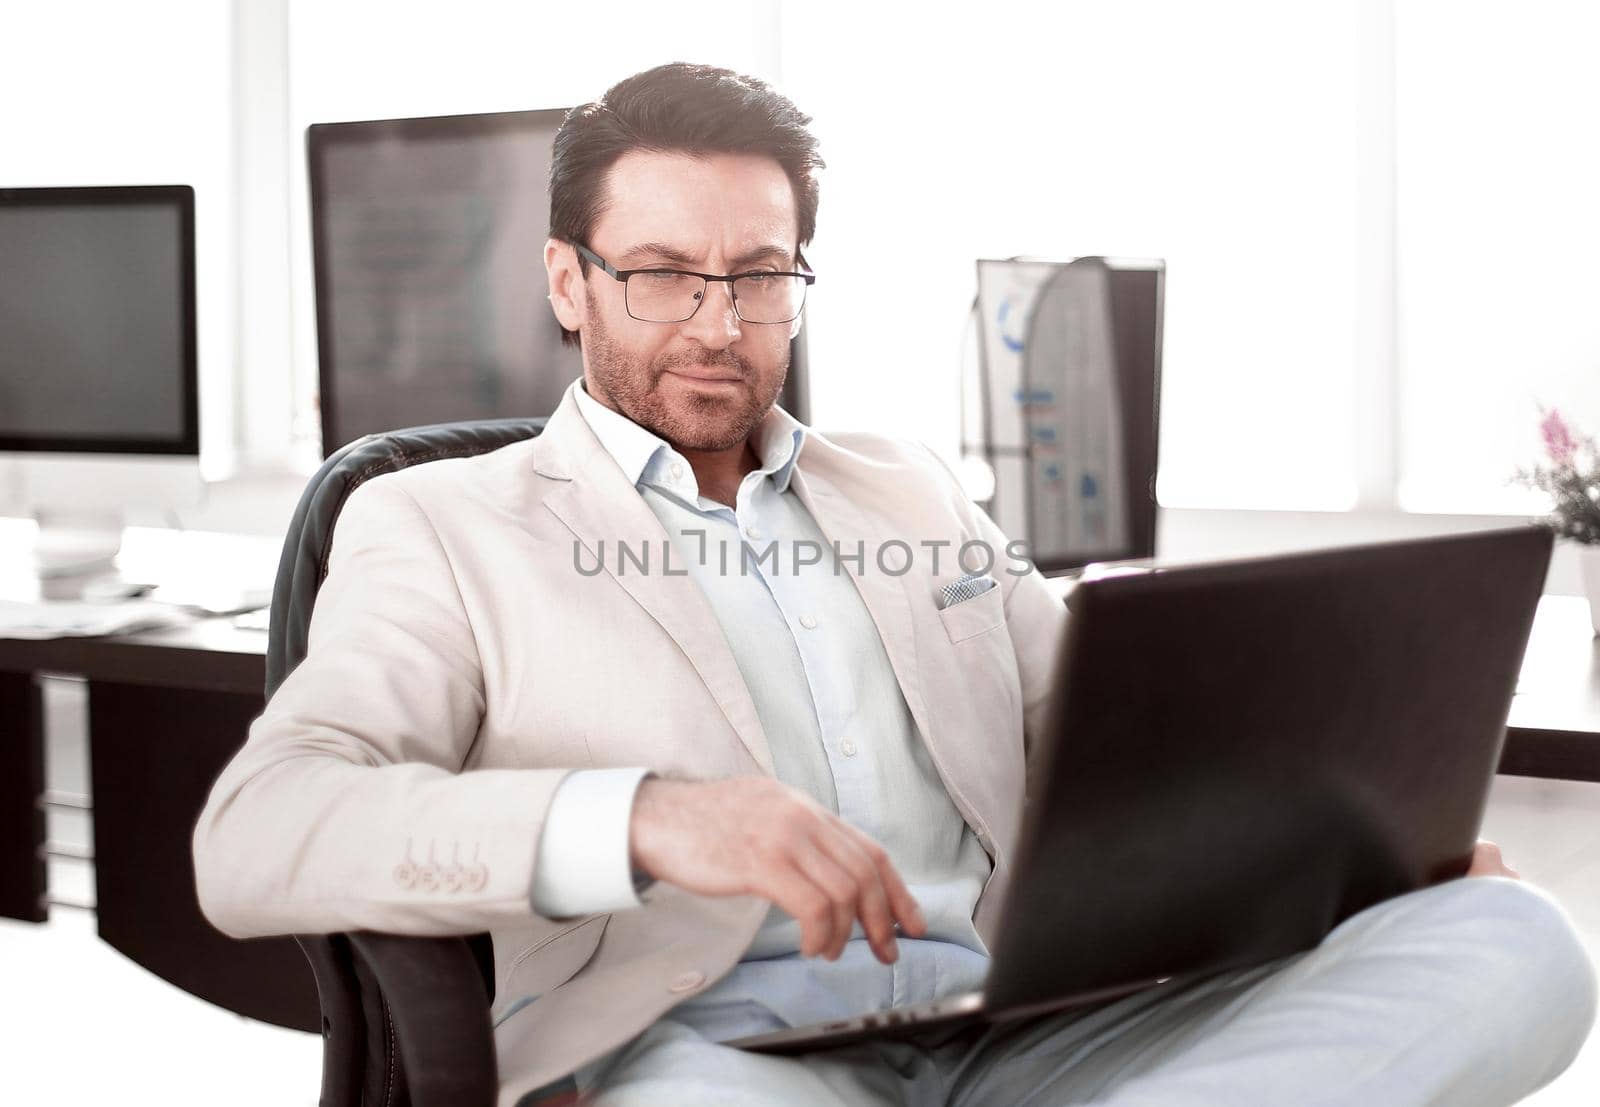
[
  {"x": 1063, "y": 406},
  {"x": 428, "y": 241},
  {"x": 99, "y": 393}
]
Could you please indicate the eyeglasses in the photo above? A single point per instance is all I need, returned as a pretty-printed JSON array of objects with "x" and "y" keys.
[{"x": 673, "y": 296}]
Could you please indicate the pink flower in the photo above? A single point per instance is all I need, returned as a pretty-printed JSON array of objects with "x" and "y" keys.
[{"x": 1559, "y": 442}]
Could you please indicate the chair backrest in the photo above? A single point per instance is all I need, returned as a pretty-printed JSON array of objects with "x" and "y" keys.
[
  {"x": 304, "y": 561},
  {"x": 404, "y": 1019}
]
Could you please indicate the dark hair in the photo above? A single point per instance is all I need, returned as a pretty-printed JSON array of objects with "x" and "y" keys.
[{"x": 675, "y": 108}]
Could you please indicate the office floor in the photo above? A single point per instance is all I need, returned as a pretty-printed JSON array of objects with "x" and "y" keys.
[{"x": 83, "y": 1025}]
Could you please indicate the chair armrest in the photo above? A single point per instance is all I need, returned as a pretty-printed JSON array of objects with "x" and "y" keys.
[
  {"x": 435, "y": 999},
  {"x": 405, "y": 1020}
]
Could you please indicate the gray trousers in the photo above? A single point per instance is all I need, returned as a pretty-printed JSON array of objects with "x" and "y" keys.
[{"x": 1476, "y": 991}]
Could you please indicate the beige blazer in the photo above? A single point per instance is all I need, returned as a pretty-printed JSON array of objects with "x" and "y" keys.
[{"x": 460, "y": 664}]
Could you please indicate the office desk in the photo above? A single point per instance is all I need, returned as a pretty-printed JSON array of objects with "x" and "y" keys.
[
  {"x": 1554, "y": 727},
  {"x": 169, "y": 708}
]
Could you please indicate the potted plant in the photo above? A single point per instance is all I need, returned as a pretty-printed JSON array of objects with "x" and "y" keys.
[{"x": 1570, "y": 474}]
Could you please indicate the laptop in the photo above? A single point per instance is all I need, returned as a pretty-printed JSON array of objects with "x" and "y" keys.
[{"x": 1241, "y": 755}]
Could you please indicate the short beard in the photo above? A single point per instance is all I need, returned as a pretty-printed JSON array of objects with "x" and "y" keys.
[{"x": 631, "y": 385}]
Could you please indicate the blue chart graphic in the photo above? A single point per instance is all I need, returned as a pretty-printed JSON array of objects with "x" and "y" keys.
[
  {"x": 1011, "y": 322},
  {"x": 1076, "y": 501},
  {"x": 1047, "y": 347}
]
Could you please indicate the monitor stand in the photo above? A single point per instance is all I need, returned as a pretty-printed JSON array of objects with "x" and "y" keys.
[{"x": 75, "y": 552}]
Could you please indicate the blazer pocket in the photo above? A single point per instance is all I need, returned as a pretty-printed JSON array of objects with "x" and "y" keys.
[
  {"x": 550, "y": 963},
  {"x": 970, "y": 618}
]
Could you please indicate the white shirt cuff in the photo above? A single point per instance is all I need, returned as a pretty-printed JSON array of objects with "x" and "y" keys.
[{"x": 583, "y": 867}]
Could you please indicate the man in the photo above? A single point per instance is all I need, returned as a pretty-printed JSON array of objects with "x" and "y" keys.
[{"x": 661, "y": 646}]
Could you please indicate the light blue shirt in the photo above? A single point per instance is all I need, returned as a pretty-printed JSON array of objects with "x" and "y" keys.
[{"x": 835, "y": 720}]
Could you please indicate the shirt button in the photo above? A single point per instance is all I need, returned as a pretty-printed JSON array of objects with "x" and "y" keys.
[
  {"x": 687, "y": 982},
  {"x": 676, "y": 470},
  {"x": 847, "y": 747},
  {"x": 752, "y": 532},
  {"x": 808, "y": 622}
]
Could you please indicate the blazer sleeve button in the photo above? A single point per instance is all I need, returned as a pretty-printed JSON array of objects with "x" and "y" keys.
[
  {"x": 476, "y": 876},
  {"x": 428, "y": 877},
  {"x": 454, "y": 876},
  {"x": 405, "y": 874}
]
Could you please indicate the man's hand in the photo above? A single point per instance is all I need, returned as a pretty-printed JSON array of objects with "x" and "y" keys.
[
  {"x": 756, "y": 836},
  {"x": 1486, "y": 861}
]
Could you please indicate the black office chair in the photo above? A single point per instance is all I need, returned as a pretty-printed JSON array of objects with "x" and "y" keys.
[{"x": 405, "y": 1020}]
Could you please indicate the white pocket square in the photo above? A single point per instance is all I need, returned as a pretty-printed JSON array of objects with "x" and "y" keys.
[{"x": 973, "y": 584}]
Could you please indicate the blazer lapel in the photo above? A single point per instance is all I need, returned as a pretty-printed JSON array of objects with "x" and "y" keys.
[{"x": 599, "y": 506}]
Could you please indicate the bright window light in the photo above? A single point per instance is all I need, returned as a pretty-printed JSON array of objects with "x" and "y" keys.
[{"x": 1499, "y": 225}]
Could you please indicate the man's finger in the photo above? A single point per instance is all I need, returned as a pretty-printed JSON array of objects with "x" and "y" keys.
[
  {"x": 1487, "y": 861},
  {"x": 901, "y": 902},
  {"x": 872, "y": 899},
  {"x": 841, "y": 890},
  {"x": 794, "y": 892}
]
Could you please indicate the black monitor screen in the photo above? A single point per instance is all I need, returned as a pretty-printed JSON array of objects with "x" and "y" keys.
[
  {"x": 429, "y": 246},
  {"x": 97, "y": 320},
  {"x": 428, "y": 238}
]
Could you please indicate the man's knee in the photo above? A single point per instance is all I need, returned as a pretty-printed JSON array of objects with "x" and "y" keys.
[
  {"x": 1544, "y": 934},
  {"x": 1539, "y": 973},
  {"x": 1498, "y": 958}
]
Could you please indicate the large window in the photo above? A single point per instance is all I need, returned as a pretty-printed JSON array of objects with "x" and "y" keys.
[
  {"x": 1377, "y": 214},
  {"x": 1225, "y": 138},
  {"x": 1379, "y": 219},
  {"x": 1498, "y": 230}
]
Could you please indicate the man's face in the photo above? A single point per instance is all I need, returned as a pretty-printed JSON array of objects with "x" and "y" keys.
[{"x": 705, "y": 383}]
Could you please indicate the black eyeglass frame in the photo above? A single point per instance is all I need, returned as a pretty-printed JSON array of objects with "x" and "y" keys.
[{"x": 623, "y": 275}]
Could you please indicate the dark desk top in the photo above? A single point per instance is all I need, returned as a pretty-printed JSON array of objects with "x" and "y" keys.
[
  {"x": 211, "y": 655},
  {"x": 1557, "y": 700},
  {"x": 1554, "y": 726}
]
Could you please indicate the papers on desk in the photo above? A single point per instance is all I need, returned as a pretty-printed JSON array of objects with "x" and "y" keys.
[
  {"x": 196, "y": 575},
  {"x": 76, "y": 619}
]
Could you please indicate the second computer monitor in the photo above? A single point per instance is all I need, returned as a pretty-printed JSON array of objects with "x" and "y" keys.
[
  {"x": 428, "y": 240},
  {"x": 99, "y": 389}
]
